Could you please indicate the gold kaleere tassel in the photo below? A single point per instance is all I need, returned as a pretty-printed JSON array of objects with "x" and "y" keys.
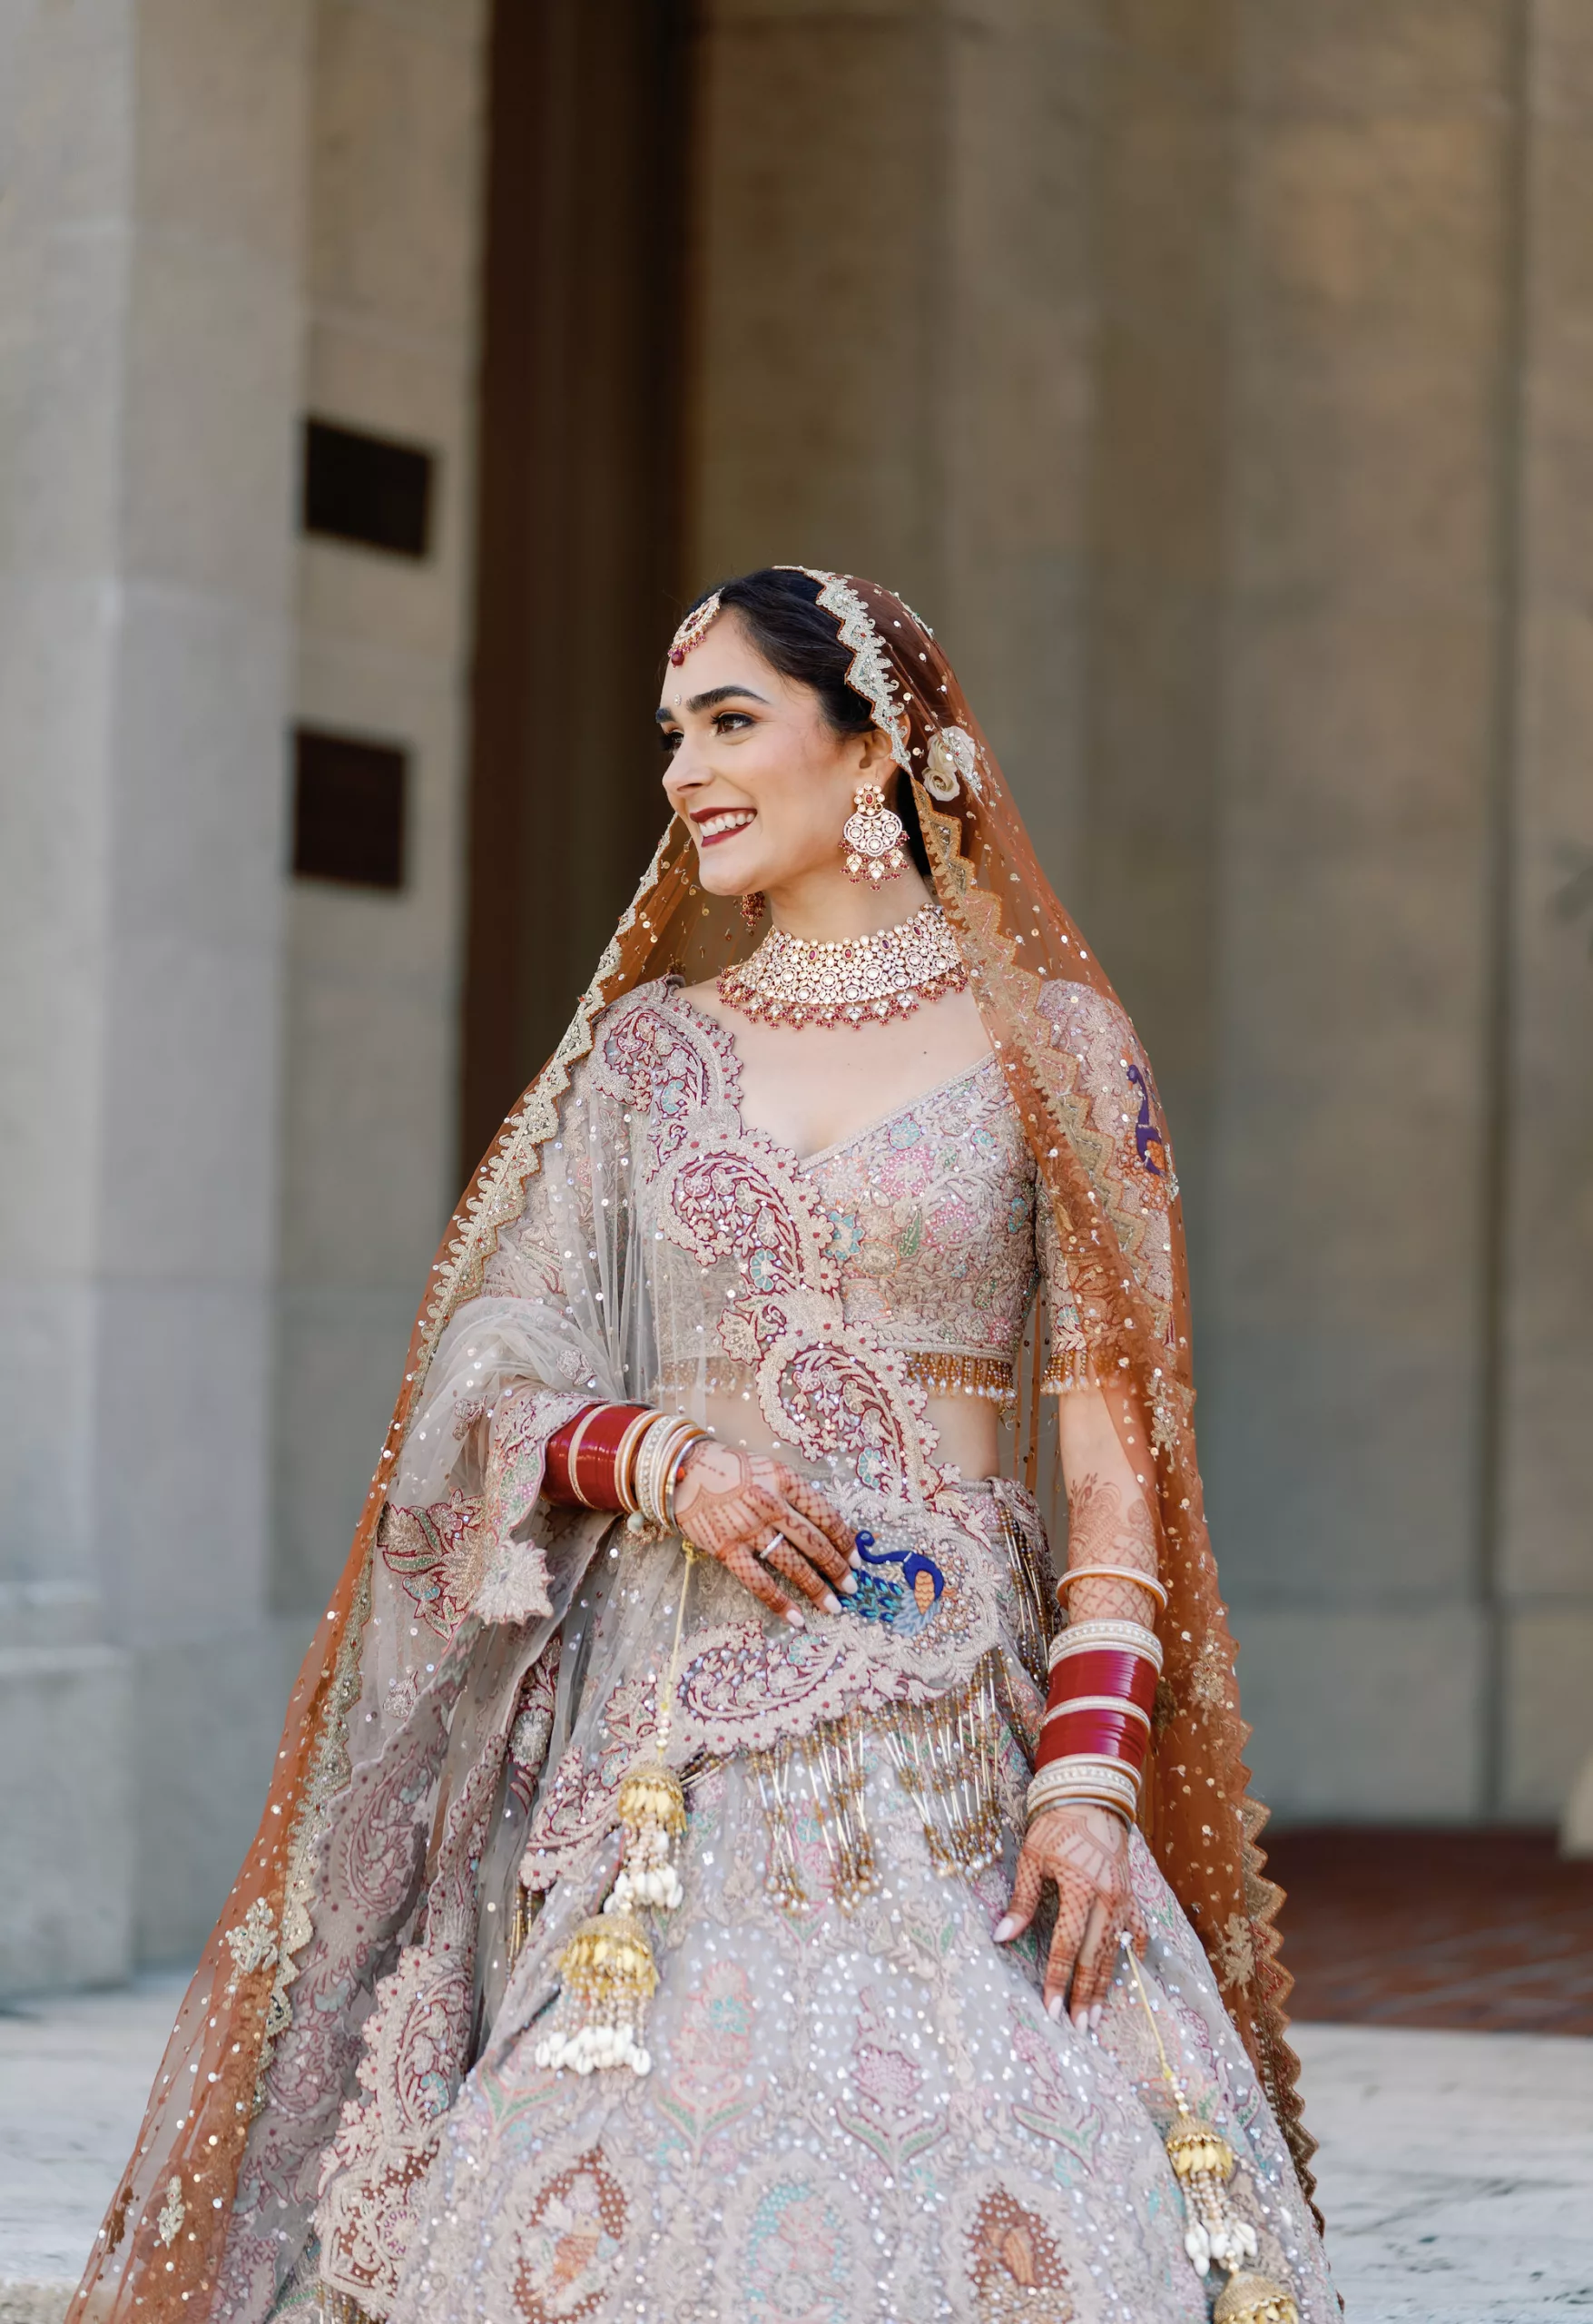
[
  {"x": 607, "y": 1975},
  {"x": 652, "y": 1812},
  {"x": 1202, "y": 2163}
]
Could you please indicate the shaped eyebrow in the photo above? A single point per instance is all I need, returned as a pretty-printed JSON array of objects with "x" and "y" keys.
[{"x": 714, "y": 696}]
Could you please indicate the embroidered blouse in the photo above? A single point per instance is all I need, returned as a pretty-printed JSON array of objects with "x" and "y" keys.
[{"x": 924, "y": 1225}]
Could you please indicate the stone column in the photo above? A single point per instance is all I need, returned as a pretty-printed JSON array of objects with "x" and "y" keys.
[
  {"x": 1344, "y": 1341},
  {"x": 369, "y": 1147},
  {"x": 149, "y": 263},
  {"x": 1545, "y": 1569},
  {"x": 1157, "y": 495},
  {"x": 890, "y": 359}
]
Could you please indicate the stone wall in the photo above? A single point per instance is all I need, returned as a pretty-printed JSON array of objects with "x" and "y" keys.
[{"x": 1207, "y": 375}]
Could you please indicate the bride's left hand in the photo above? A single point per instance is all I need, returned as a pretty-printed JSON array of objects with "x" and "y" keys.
[{"x": 1084, "y": 1850}]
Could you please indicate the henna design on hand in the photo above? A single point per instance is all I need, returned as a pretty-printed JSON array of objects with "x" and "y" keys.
[
  {"x": 1104, "y": 1531},
  {"x": 1084, "y": 1850},
  {"x": 732, "y": 1504}
]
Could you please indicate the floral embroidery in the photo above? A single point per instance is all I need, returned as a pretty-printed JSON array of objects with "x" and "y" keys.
[
  {"x": 940, "y": 1252},
  {"x": 707, "y": 2082},
  {"x": 1234, "y": 1958},
  {"x": 171, "y": 2214},
  {"x": 794, "y": 2253},
  {"x": 438, "y": 1556},
  {"x": 253, "y": 1942},
  {"x": 882, "y": 2107},
  {"x": 1048, "y": 2106}
]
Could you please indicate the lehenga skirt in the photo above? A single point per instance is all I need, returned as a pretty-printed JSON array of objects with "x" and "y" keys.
[{"x": 856, "y": 2106}]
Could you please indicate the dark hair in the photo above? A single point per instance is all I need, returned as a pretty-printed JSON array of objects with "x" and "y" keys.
[{"x": 790, "y": 629}]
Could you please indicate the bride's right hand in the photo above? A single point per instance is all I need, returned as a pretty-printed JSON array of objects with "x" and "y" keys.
[{"x": 758, "y": 1519}]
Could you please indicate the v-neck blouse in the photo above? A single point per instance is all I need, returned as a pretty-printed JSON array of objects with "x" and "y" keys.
[{"x": 924, "y": 1223}]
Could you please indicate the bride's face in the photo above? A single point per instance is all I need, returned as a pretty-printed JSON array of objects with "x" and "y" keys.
[{"x": 755, "y": 769}]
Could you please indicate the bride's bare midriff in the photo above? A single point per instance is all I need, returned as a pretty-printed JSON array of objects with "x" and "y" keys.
[{"x": 966, "y": 1427}]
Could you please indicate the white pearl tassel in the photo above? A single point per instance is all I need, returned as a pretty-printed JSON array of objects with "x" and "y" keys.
[{"x": 607, "y": 1972}]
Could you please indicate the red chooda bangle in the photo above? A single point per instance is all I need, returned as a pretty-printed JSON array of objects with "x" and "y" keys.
[{"x": 590, "y": 1458}]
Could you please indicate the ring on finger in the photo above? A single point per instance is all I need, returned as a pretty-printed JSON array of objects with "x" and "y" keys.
[{"x": 774, "y": 1542}]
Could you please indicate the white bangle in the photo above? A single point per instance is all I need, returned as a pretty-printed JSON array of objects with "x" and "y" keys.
[
  {"x": 658, "y": 1457},
  {"x": 1126, "y": 1638},
  {"x": 1091, "y": 1782}
]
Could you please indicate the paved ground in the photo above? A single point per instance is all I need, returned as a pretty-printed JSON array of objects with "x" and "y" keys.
[
  {"x": 1457, "y": 2169},
  {"x": 1491, "y": 1931}
]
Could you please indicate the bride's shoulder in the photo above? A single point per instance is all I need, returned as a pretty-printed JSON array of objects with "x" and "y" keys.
[
  {"x": 657, "y": 992},
  {"x": 659, "y": 1016}
]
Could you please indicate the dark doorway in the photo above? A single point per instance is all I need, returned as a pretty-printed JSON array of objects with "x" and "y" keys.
[{"x": 579, "y": 501}]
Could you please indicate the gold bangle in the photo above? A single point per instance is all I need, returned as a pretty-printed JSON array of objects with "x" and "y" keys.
[
  {"x": 624, "y": 1460},
  {"x": 582, "y": 1425},
  {"x": 671, "y": 1472},
  {"x": 1148, "y": 1582}
]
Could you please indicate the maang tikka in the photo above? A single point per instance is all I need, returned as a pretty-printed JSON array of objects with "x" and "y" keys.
[{"x": 873, "y": 834}]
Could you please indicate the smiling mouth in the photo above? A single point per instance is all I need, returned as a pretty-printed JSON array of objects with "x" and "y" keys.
[{"x": 722, "y": 824}]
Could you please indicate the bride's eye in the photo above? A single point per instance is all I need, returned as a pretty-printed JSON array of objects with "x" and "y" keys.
[{"x": 669, "y": 740}]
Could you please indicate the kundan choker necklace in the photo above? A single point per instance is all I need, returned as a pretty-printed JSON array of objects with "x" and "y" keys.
[{"x": 861, "y": 981}]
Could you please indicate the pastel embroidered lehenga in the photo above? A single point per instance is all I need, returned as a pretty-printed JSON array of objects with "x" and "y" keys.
[{"x": 856, "y": 2106}]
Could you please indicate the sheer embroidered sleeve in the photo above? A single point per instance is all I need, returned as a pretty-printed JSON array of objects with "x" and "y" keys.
[{"x": 1068, "y": 1364}]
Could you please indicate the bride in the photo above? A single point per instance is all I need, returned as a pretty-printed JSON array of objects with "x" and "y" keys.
[{"x": 714, "y": 1870}]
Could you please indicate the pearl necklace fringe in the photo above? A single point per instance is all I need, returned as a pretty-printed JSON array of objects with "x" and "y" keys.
[{"x": 866, "y": 979}]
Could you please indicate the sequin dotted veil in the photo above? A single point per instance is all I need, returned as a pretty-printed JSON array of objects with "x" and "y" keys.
[{"x": 1088, "y": 1103}]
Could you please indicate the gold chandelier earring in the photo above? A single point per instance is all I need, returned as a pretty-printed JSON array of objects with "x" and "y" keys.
[
  {"x": 752, "y": 904},
  {"x": 873, "y": 834}
]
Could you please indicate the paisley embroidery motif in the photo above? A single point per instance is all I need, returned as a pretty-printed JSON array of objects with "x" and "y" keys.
[
  {"x": 438, "y": 1556},
  {"x": 728, "y": 1198},
  {"x": 578, "y": 1802},
  {"x": 829, "y": 1397},
  {"x": 953, "y": 759},
  {"x": 644, "y": 1061},
  {"x": 414, "y": 2055},
  {"x": 571, "y": 2246},
  {"x": 1014, "y": 2266}
]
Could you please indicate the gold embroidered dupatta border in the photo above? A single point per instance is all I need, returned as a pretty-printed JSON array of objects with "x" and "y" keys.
[{"x": 158, "y": 2252}]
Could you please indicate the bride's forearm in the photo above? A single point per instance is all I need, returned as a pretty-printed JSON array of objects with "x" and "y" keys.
[
  {"x": 1105, "y": 1665},
  {"x": 1112, "y": 1533}
]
